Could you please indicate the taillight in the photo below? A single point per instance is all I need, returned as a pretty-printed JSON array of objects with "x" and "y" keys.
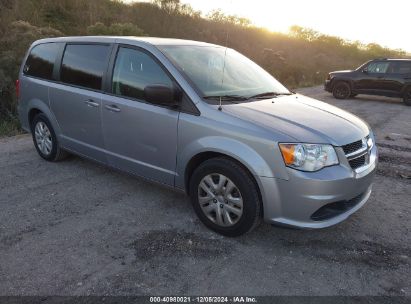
[{"x": 17, "y": 88}]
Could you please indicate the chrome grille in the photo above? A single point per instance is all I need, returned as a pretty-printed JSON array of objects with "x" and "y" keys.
[
  {"x": 357, "y": 162},
  {"x": 352, "y": 147},
  {"x": 357, "y": 153}
]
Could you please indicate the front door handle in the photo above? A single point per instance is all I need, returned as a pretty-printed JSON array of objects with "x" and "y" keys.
[
  {"x": 91, "y": 103},
  {"x": 112, "y": 108}
]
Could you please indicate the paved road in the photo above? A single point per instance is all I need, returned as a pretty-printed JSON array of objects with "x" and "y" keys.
[{"x": 76, "y": 228}]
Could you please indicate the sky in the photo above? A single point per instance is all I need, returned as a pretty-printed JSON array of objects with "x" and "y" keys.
[{"x": 381, "y": 21}]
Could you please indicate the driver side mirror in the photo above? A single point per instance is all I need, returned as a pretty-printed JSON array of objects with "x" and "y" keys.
[
  {"x": 162, "y": 95},
  {"x": 365, "y": 71}
]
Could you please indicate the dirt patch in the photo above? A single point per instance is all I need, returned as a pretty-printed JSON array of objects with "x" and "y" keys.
[
  {"x": 394, "y": 147},
  {"x": 173, "y": 243},
  {"x": 390, "y": 167},
  {"x": 394, "y": 159},
  {"x": 372, "y": 254},
  {"x": 12, "y": 239},
  {"x": 394, "y": 165},
  {"x": 388, "y": 171}
]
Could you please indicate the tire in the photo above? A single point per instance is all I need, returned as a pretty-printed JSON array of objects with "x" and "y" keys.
[
  {"x": 341, "y": 90},
  {"x": 45, "y": 140},
  {"x": 407, "y": 97},
  {"x": 237, "y": 185}
]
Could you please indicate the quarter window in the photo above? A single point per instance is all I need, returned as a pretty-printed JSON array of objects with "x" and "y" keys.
[
  {"x": 40, "y": 62},
  {"x": 133, "y": 71},
  {"x": 84, "y": 65}
]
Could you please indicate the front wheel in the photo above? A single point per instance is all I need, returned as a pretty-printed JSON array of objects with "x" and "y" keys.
[
  {"x": 341, "y": 90},
  {"x": 225, "y": 197},
  {"x": 407, "y": 97}
]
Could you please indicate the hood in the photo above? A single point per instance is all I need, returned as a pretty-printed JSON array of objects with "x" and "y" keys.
[
  {"x": 302, "y": 118},
  {"x": 342, "y": 72}
]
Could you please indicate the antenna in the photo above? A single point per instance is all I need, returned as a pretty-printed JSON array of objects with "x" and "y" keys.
[{"x": 220, "y": 108}]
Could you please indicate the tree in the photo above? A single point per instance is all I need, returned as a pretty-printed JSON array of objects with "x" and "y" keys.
[
  {"x": 170, "y": 6},
  {"x": 304, "y": 33},
  {"x": 218, "y": 16}
]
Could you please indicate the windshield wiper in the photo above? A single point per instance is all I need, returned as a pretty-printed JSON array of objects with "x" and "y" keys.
[
  {"x": 268, "y": 94},
  {"x": 229, "y": 98}
]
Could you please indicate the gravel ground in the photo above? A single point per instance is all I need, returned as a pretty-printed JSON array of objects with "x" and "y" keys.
[{"x": 76, "y": 228}]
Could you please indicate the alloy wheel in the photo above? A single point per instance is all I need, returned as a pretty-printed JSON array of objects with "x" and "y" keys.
[{"x": 342, "y": 91}]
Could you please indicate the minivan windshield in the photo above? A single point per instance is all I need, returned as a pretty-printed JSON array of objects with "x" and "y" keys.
[{"x": 243, "y": 80}]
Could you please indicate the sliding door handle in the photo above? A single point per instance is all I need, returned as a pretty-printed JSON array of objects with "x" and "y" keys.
[
  {"x": 112, "y": 108},
  {"x": 91, "y": 103}
]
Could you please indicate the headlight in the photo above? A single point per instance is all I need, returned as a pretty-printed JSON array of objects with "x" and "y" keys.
[
  {"x": 308, "y": 157},
  {"x": 370, "y": 143}
]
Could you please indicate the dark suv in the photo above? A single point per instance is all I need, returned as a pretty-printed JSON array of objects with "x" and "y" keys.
[{"x": 385, "y": 77}]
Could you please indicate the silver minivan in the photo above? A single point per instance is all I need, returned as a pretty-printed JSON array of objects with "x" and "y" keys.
[{"x": 202, "y": 119}]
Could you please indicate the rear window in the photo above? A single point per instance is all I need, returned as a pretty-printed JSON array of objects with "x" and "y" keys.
[
  {"x": 84, "y": 65},
  {"x": 40, "y": 62},
  {"x": 399, "y": 67}
]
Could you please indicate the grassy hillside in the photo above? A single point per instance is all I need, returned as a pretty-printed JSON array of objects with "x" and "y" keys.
[{"x": 299, "y": 59}]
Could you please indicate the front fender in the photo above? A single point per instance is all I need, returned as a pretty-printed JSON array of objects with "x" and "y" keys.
[
  {"x": 336, "y": 79},
  {"x": 223, "y": 145}
]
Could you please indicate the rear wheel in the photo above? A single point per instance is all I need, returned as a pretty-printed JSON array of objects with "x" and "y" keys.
[
  {"x": 45, "y": 139},
  {"x": 341, "y": 90},
  {"x": 407, "y": 97},
  {"x": 225, "y": 197}
]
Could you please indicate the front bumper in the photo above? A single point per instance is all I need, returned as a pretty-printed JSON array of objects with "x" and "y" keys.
[
  {"x": 299, "y": 200},
  {"x": 327, "y": 86}
]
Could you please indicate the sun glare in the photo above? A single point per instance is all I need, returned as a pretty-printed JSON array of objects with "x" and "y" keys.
[{"x": 367, "y": 20}]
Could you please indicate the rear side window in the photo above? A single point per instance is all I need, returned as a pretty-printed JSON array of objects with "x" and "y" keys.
[
  {"x": 404, "y": 68},
  {"x": 40, "y": 62},
  {"x": 84, "y": 65},
  {"x": 134, "y": 70}
]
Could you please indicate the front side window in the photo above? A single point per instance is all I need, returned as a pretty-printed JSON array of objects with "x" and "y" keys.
[
  {"x": 378, "y": 67},
  {"x": 133, "y": 71},
  {"x": 217, "y": 71},
  {"x": 40, "y": 62},
  {"x": 84, "y": 65}
]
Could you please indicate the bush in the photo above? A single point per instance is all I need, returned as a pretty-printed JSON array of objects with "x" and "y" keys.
[{"x": 13, "y": 46}]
